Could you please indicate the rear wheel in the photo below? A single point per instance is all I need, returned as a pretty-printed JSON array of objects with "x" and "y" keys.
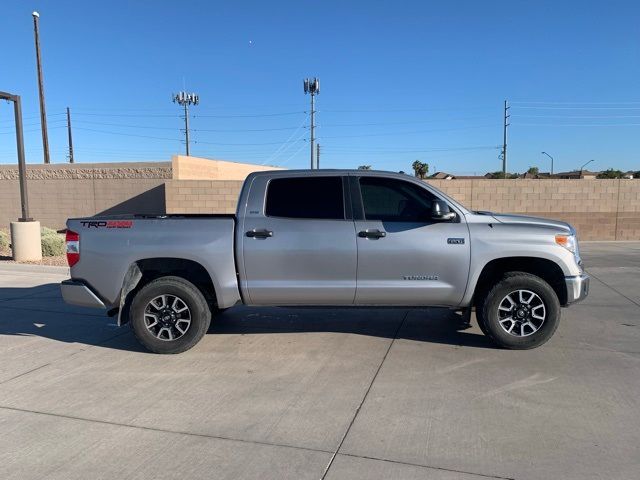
[
  {"x": 169, "y": 315},
  {"x": 521, "y": 311}
]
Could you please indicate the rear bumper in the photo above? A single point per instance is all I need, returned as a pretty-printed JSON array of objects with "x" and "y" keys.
[
  {"x": 77, "y": 293},
  {"x": 577, "y": 288}
]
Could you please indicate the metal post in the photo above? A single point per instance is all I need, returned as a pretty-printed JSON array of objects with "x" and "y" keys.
[
  {"x": 504, "y": 140},
  {"x": 545, "y": 153},
  {"x": 69, "y": 135},
  {"x": 43, "y": 110},
  {"x": 22, "y": 167},
  {"x": 186, "y": 125},
  {"x": 317, "y": 155},
  {"x": 313, "y": 126}
]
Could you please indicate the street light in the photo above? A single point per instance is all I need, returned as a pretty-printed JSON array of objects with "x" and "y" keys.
[
  {"x": 545, "y": 153},
  {"x": 582, "y": 167},
  {"x": 25, "y": 233}
]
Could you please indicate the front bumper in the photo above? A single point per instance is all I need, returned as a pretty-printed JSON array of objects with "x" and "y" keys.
[
  {"x": 77, "y": 293},
  {"x": 577, "y": 288}
]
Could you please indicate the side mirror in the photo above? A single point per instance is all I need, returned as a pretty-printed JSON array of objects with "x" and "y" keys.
[{"x": 440, "y": 211}]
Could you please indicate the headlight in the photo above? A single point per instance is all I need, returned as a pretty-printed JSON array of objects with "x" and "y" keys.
[{"x": 569, "y": 242}]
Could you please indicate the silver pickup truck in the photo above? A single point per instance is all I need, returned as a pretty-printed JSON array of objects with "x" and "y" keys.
[{"x": 326, "y": 238}]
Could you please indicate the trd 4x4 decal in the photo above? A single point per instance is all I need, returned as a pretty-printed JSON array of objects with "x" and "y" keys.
[{"x": 107, "y": 223}]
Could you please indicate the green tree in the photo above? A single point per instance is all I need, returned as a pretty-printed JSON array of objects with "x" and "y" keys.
[
  {"x": 610, "y": 173},
  {"x": 364, "y": 167},
  {"x": 533, "y": 170},
  {"x": 420, "y": 169}
]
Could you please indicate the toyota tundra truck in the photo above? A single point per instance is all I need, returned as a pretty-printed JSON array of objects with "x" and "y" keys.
[{"x": 331, "y": 238}]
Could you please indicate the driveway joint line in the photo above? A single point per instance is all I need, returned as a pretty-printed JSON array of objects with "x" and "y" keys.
[
  {"x": 364, "y": 398},
  {"x": 411, "y": 464},
  {"x": 609, "y": 286},
  {"x": 160, "y": 430},
  {"x": 24, "y": 373}
]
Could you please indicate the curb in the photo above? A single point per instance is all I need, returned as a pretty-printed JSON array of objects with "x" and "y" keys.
[{"x": 27, "y": 268}]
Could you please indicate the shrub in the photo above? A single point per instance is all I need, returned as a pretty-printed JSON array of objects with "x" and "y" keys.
[
  {"x": 52, "y": 245},
  {"x": 44, "y": 231},
  {"x": 4, "y": 240}
]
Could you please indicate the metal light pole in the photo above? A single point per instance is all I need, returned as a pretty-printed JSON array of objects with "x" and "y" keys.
[
  {"x": 545, "y": 153},
  {"x": 312, "y": 87},
  {"x": 22, "y": 168},
  {"x": 582, "y": 167},
  {"x": 185, "y": 99},
  {"x": 43, "y": 110}
]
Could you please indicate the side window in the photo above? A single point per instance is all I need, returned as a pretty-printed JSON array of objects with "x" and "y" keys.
[
  {"x": 306, "y": 197},
  {"x": 391, "y": 200}
]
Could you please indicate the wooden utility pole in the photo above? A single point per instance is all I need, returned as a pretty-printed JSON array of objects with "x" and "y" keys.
[
  {"x": 504, "y": 138},
  {"x": 69, "y": 135},
  {"x": 43, "y": 110},
  {"x": 317, "y": 155}
]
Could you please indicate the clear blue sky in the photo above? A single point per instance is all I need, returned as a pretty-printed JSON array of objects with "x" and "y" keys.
[{"x": 400, "y": 80}]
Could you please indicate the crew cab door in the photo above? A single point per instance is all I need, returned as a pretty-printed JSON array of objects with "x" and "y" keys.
[
  {"x": 406, "y": 257},
  {"x": 298, "y": 242}
]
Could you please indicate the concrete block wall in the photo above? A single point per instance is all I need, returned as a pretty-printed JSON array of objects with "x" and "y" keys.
[
  {"x": 194, "y": 168},
  {"x": 598, "y": 209},
  {"x": 202, "y": 196},
  {"x": 61, "y": 191}
]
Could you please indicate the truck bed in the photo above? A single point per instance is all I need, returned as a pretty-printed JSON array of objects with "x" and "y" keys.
[{"x": 109, "y": 244}]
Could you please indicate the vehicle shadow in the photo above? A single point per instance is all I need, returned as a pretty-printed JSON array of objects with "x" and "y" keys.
[{"x": 40, "y": 311}]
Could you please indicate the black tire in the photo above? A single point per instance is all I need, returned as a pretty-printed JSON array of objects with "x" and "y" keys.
[
  {"x": 199, "y": 314},
  {"x": 511, "y": 284},
  {"x": 480, "y": 319}
]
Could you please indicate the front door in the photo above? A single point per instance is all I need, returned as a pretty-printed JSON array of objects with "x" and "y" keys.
[
  {"x": 405, "y": 257},
  {"x": 301, "y": 249}
]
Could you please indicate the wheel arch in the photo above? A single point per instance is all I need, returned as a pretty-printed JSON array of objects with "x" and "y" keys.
[
  {"x": 142, "y": 271},
  {"x": 544, "y": 268}
]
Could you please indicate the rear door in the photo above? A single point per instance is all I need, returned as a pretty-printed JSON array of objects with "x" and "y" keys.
[
  {"x": 404, "y": 256},
  {"x": 299, "y": 245}
]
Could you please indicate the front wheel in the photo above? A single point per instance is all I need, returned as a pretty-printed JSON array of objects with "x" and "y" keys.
[
  {"x": 520, "y": 312},
  {"x": 169, "y": 315}
]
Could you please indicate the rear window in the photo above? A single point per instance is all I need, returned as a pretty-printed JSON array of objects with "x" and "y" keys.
[{"x": 306, "y": 197}]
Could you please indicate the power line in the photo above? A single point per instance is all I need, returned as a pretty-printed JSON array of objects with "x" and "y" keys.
[
  {"x": 251, "y": 115},
  {"x": 406, "y": 133}
]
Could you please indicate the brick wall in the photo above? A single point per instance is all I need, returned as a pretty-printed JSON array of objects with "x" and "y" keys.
[{"x": 599, "y": 209}]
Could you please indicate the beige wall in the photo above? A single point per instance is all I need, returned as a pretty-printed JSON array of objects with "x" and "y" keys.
[
  {"x": 600, "y": 210},
  {"x": 194, "y": 168},
  {"x": 57, "y": 192}
]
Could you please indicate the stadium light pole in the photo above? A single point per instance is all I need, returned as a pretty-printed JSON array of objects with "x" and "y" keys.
[
  {"x": 545, "y": 153},
  {"x": 312, "y": 87},
  {"x": 185, "y": 99}
]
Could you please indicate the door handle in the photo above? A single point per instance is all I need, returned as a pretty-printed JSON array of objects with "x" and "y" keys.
[
  {"x": 372, "y": 234},
  {"x": 259, "y": 233}
]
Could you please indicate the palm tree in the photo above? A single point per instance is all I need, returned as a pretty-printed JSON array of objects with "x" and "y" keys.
[{"x": 420, "y": 169}]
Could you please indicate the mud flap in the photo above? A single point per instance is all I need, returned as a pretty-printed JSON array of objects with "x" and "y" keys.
[{"x": 131, "y": 280}]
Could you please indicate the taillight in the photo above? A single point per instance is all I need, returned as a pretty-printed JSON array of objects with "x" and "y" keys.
[{"x": 73, "y": 248}]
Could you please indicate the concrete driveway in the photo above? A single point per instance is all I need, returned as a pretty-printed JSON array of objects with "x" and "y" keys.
[{"x": 330, "y": 393}]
